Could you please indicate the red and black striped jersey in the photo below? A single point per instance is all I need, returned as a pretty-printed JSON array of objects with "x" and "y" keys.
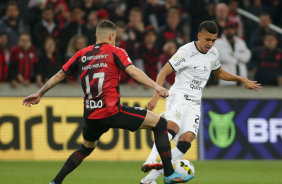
[
  {"x": 23, "y": 62},
  {"x": 3, "y": 66},
  {"x": 99, "y": 67}
]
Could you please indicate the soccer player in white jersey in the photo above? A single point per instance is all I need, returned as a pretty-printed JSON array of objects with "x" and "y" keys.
[{"x": 192, "y": 64}]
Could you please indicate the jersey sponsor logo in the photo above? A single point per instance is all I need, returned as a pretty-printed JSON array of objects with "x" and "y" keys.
[
  {"x": 196, "y": 101},
  {"x": 98, "y": 65},
  {"x": 196, "y": 67},
  {"x": 180, "y": 61},
  {"x": 92, "y": 104},
  {"x": 89, "y": 58},
  {"x": 194, "y": 54},
  {"x": 196, "y": 82}
]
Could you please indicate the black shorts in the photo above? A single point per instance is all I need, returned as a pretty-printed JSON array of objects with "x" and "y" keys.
[{"x": 129, "y": 118}]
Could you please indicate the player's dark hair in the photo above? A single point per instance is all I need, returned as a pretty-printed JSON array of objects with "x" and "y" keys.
[
  {"x": 265, "y": 14},
  {"x": 231, "y": 1},
  {"x": 13, "y": 3},
  {"x": 48, "y": 8},
  {"x": 136, "y": 9},
  {"x": 172, "y": 11},
  {"x": 25, "y": 33},
  {"x": 271, "y": 33},
  {"x": 106, "y": 24},
  {"x": 209, "y": 26}
]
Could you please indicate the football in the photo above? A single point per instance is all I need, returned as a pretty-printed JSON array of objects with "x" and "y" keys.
[{"x": 184, "y": 166}]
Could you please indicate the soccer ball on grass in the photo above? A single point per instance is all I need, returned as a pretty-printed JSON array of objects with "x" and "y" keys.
[{"x": 184, "y": 166}]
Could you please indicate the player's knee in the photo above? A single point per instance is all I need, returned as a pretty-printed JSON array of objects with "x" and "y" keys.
[
  {"x": 172, "y": 133},
  {"x": 183, "y": 146},
  {"x": 161, "y": 125},
  {"x": 84, "y": 151}
]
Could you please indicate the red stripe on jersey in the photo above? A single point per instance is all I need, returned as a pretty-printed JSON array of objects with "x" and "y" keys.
[
  {"x": 26, "y": 63},
  {"x": 137, "y": 115},
  {"x": 90, "y": 63}
]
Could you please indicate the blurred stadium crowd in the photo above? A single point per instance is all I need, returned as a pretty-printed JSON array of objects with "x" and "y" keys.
[{"x": 38, "y": 36}]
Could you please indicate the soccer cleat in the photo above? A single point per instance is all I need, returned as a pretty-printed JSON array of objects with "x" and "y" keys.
[
  {"x": 147, "y": 166},
  {"x": 177, "y": 178},
  {"x": 52, "y": 182},
  {"x": 143, "y": 181}
]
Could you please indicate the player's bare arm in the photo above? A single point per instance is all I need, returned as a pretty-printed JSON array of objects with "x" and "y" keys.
[
  {"x": 165, "y": 71},
  {"x": 222, "y": 74},
  {"x": 141, "y": 77},
  {"x": 35, "y": 98}
]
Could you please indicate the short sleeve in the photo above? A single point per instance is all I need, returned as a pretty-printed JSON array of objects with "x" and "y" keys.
[
  {"x": 178, "y": 60},
  {"x": 216, "y": 64},
  {"x": 121, "y": 59},
  {"x": 71, "y": 67}
]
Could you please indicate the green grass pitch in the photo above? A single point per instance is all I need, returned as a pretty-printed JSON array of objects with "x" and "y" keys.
[{"x": 106, "y": 172}]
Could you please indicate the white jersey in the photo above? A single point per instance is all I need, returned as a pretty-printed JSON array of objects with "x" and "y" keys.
[{"x": 192, "y": 69}]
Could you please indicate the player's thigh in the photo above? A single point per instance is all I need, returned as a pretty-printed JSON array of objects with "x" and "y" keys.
[
  {"x": 150, "y": 121},
  {"x": 129, "y": 118},
  {"x": 172, "y": 126},
  {"x": 174, "y": 113},
  {"x": 93, "y": 130},
  {"x": 190, "y": 126},
  {"x": 187, "y": 137}
]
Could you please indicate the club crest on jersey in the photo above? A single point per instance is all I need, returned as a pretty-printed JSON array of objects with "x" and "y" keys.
[
  {"x": 175, "y": 58},
  {"x": 177, "y": 115},
  {"x": 211, "y": 62}
]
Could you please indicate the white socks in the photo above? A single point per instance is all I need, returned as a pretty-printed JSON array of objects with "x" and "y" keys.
[{"x": 154, "y": 153}]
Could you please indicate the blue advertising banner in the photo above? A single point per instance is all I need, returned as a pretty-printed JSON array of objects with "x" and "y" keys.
[{"x": 242, "y": 129}]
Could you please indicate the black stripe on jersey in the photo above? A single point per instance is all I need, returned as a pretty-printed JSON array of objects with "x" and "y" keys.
[
  {"x": 73, "y": 67},
  {"x": 171, "y": 66},
  {"x": 119, "y": 63}
]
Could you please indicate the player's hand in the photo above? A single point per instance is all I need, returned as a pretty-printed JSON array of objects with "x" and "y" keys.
[
  {"x": 162, "y": 91},
  {"x": 31, "y": 100},
  {"x": 252, "y": 85},
  {"x": 152, "y": 103}
]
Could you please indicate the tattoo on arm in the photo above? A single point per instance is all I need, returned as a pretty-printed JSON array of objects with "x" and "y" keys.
[{"x": 52, "y": 82}]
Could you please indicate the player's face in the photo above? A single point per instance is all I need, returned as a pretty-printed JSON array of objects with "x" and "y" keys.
[
  {"x": 206, "y": 40},
  {"x": 50, "y": 46},
  {"x": 80, "y": 43},
  {"x": 25, "y": 41},
  {"x": 270, "y": 42},
  {"x": 12, "y": 12}
]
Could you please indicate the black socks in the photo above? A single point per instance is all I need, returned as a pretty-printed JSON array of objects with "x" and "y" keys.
[
  {"x": 72, "y": 162},
  {"x": 163, "y": 145}
]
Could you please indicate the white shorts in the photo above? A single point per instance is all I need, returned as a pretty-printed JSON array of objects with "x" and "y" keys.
[{"x": 180, "y": 112}]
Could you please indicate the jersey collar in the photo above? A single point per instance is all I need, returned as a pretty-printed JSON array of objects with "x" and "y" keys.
[{"x": 199, "y": 49}]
